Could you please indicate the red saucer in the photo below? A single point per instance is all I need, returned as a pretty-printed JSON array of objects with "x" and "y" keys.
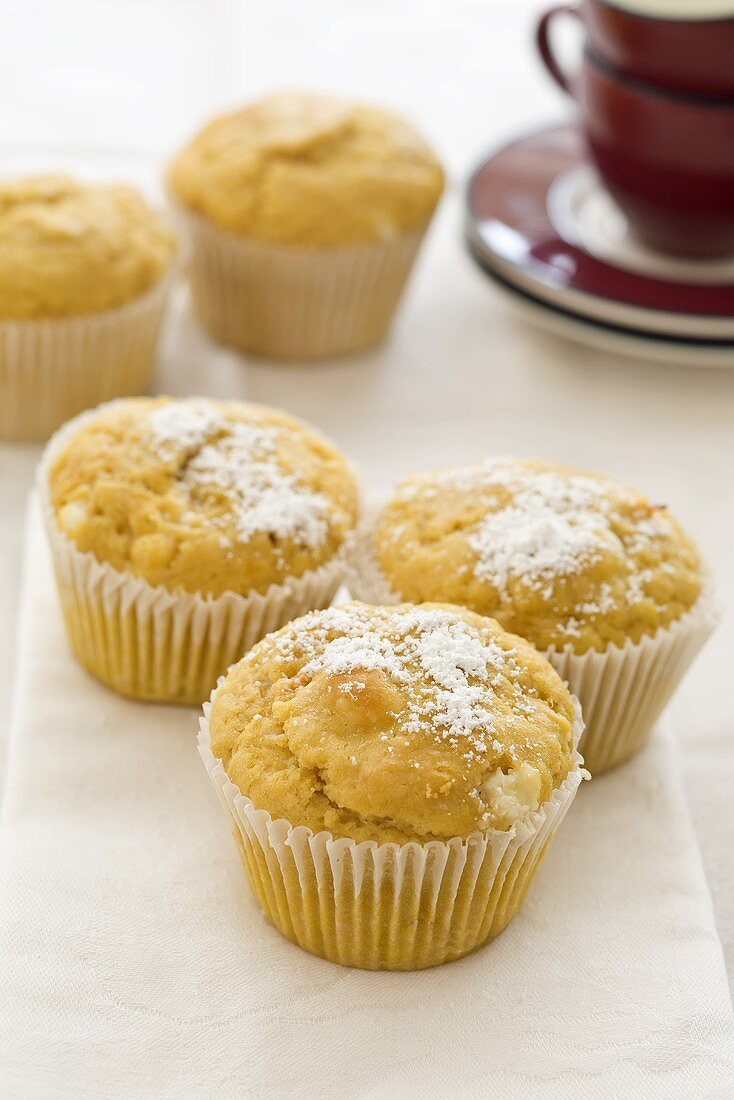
[{"x": 539, "y": 220}]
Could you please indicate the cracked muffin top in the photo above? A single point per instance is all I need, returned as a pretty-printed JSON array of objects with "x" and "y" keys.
[
  {"x": 68, "y": 249},
  {"x": 309, "y": 170},
  {"x": 201, "y": 495},
  {"x": 394, "y": 724},
  {"x": 558, "y": 555}
]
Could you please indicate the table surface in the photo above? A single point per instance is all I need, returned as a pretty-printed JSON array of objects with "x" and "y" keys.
[{"x": 113, "y": 87}]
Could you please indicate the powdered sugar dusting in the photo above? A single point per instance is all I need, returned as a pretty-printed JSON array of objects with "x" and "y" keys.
[
  {"x": 447, "y": 670},
  {"x": 541, "y": 524},
  {"x": 183, "y": 425},
  {"x": 239, "y": 459},
  {"x": 552, "y": 526}
]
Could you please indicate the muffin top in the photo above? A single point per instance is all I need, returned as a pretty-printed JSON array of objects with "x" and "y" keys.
[
  {"x": 69, "y": 249},
  {"x": 309, "y": 170},
  {"x": 394, "y": 724},
  {"x": 557, "y": 555},
  {"x": 205, "y": 496}
]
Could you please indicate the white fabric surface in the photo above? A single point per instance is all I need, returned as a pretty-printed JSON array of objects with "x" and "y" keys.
[
  {"x": 134, "y": 962},
  {"x": 110, "y": 88}
]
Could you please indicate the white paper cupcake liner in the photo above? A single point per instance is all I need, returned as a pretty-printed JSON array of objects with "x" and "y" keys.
[
  {"x": 295, "y": 303},
  {"x": 388, "y": 906},
  {"x": 622, "y": 690},
  {"x": 50, "y": 370},
  {"x": 151, "y": 643}
]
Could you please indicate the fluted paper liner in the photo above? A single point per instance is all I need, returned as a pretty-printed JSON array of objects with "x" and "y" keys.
[
  {"x": 622, "y": 690},
  {"x": 149, "y": 642},
  {"x": 50, "y": 370},
  {"x": 295, "y": 303},
  {"x": 388, "y": 906}
]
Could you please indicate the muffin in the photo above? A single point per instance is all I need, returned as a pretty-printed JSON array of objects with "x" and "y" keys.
[
  {"x": 393, "y": 777},
  {"x": 594, "y": 574},
  {"x": 184, "y": 530},
  {"x": 305, "y": 214},
  {"x": 84, "y": 276}
]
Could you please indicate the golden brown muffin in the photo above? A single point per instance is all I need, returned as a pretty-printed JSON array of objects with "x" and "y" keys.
[
  {"x": 203, "y": 496},
  {"x": 309, "y": 170},
  {"x": 394, "y": 724},
  {"x": 557, "y": 555},
  {"x": 68, "y": 249}
]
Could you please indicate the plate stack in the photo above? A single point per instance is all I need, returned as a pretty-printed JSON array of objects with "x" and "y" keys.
[{"x": 540, "y": 223}]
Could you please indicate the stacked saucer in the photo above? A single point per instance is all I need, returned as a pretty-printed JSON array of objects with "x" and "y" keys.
[{"x": 541, "y": 224}]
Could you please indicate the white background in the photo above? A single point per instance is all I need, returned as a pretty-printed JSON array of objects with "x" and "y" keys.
[{"x": 114, "y": 86}]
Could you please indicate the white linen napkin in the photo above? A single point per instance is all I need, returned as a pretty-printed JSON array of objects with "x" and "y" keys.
[{"x": 135, "y": 963}]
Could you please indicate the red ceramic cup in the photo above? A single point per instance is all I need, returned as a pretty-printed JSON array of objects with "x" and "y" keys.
[
  {"x": 667, "y": 159},
  {"x": 692, "y": 53}
]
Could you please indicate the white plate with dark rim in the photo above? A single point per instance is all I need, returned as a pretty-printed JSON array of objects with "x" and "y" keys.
[
  {"x": 655, "y": 349},
  {"x": 539, "y": 222}
]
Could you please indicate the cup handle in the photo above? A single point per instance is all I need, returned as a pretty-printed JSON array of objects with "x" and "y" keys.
[{"x": 542, "y": 41}]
